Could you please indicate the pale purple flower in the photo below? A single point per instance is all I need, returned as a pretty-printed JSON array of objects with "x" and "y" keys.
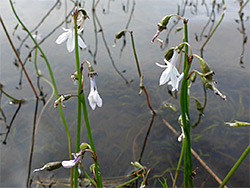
[
  {"x": 94, "y": 97},
  {"x": 71, "y": 163},
  {"x": 69, "y": 36},
  {"x": 170, "y": 75}
]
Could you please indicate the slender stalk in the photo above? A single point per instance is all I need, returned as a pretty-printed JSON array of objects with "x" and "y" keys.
[
  {"x": 217, "y": 25},
  {"x": 12, "y": 98},
  {"x": 86, "y": 174},
  {"x": 54, "y": 85},
  {"x": 32, "y": 144},
  {"x": 139, "y": 72},
  {"x": 81, "y": 99},
  {"x": 184, "y": 101},
  {"x": 79, "y": 74},
  {"x": 179, "y": 164},
  {"x": 237, "y": 164},
  {"x": 91, "y": 142},
  {"x": 18, "y": 57},
  {"x": 128, "y": 182}
]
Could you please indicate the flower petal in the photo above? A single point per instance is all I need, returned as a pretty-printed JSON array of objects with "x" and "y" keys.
[
  {"x": 68, "y": 164},
  {"x": 81, "y": 43},
  {"x": 64, "y": 36},
  {"x": 71, "y": 41},
  {"x": 98, "y": 99},
  {"x": 71, "y": 163},
  {"x": 92, "y": 99},
  {"x": 165, "y": 76},
  {"x": 162, "y": 66}
]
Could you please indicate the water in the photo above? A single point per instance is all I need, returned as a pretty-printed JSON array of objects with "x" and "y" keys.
[{"x": 119, "y": 127}]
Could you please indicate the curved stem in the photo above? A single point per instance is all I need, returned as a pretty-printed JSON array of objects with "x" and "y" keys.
[{"x": 54, "y": 85}]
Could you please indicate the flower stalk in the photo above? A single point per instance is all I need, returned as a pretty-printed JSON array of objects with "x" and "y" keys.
[{"x": 81, "y": 101}]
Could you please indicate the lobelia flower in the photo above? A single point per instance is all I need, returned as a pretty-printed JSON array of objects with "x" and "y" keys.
[
  {"x": 170, "y": 75},
  {"x": 69, "y": 36},
  {"x": 94, "y": 97},
  {"x": 71, "y": 163}
]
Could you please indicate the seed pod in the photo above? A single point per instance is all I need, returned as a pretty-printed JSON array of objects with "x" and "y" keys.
[
  {"x": 169, "y": 53},
  {"x": 163, "y": 23},
  {"x": 120, "y": 34}
]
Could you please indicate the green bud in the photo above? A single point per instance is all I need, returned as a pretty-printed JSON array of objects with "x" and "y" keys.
[
  {"x": 84, "y": 146},
  {"x": 92, "y": 168},
  {"x": 169, "y": 53},
  {"x": 138, "y": 165},
  {"x": 163, "y": 23}
]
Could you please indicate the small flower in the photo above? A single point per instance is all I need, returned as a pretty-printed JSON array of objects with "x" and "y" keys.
[
  {"x": 69, "y": 35},
  {"x": 94, "y": 98},
  {"x": 71, "y": 163},
  {"x": 170, "y": 75}
]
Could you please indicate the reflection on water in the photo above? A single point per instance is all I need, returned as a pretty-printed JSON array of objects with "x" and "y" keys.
[{"x": 122, "y": 125}]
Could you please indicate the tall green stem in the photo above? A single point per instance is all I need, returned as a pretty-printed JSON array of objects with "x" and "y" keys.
[
  {"x": 237, "y": 164},
  {"x": 184, "y": 101},
  {"x": 81, "y": 99},
  {"x": 79, "y": 74},
  {"x": 54, "y": 85}
]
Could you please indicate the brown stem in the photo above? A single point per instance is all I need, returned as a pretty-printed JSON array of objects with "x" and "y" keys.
[{"x": 18, "y": 57}]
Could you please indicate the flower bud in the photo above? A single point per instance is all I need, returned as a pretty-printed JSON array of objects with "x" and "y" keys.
[{"x": 84, "y": 146}]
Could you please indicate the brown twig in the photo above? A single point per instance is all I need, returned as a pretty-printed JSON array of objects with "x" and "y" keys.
[{"x": 18, "y": 57}]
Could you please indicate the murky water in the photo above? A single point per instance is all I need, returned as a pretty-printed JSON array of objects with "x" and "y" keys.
[{"x": 120, "y": 126}]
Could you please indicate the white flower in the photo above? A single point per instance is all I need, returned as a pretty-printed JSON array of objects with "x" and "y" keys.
[
  {"x": 69, "y": 35},
  {"x": 71, "y": 163},
  {"x": 170, "y": 75},
  {"x": 94, "y": 98}
]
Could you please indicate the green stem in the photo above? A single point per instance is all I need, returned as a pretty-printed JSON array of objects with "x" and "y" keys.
[
  {"x": 179, "y": 164},
  {"x": 184, "y": 102},
  {"x": 237, "y": 164},
  {"x": 85, "y": 113},
  {"x": 128, "y": 182},
  {"x": 14, "y": 99},
  {"x": 91, "y": 142},
  {"x": 79, "y": 74},
  {"x": 86, "y": 174},
  {"x": 54, "y": 85}
]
